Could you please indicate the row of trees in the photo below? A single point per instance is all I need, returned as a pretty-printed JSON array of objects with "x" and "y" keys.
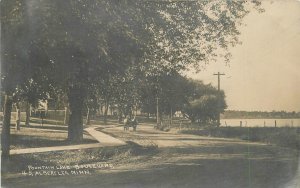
[
  {"x": 80, "y": 49},
  {"x": 194, "y": 99}
]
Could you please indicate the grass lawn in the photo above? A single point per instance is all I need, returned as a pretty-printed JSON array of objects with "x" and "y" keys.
[
  {"x": 46, "y": 121},
  {"x": 37, "y": 137}
]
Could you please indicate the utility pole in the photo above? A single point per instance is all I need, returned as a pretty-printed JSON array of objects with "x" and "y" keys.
[
  {"x": 157, "y": 112},
  {"x": 219, "y": 74},
  {"x": 158, "y": 92},
  {"x": 219, "y": 80}
]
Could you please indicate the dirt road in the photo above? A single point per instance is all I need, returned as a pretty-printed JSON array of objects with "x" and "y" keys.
[{"x": 178, "y": 160}]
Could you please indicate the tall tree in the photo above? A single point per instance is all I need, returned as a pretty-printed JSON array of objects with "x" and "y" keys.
[
  {"x": 91, "y": 50},
  {"x": 14, "y": 60}
]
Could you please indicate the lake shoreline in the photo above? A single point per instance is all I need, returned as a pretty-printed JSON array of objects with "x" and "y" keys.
[{"x": 260, "y": 122}]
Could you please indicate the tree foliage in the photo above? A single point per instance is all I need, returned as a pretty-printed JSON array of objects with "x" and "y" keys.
[
  {"x": 71, "y": 46},
  {"x": 205, "y": 103}
]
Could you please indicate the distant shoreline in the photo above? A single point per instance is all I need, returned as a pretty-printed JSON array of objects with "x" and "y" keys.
[{"x": 232, "y": 114}]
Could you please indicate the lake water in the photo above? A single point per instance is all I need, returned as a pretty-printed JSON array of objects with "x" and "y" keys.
[{"x": 261, "y": 122}]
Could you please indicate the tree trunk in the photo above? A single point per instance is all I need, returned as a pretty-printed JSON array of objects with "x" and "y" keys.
[
  {"x": 67, "y": 116},
  {"x": 157, "y": 113},
  {"x": 130, "y": 112},
  {"x": 111, "y": 110},
  {"x": 136, "y": 110},
  {"x": 105, "y": 112},
  {"x": 101, "y": 110},
  {"x": 5, "y": 136},
  {"x": 27, "y": 121},
  {"x": 75, "y": 128},
  {"x": 18, "y": 116},
  {"x": 88, "y": 116},
  {"x": 120, "y": 114},
  {"x": 171, "y": 117},
  {"x": 160, "y": 118}
]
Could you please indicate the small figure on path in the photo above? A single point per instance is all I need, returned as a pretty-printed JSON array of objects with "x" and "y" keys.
[{"x": 130, "y": 123}]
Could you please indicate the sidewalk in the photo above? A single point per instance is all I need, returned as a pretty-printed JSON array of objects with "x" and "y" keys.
[
  {"x": 104, "y": 139},
  {"x": 54, "y": 148}
]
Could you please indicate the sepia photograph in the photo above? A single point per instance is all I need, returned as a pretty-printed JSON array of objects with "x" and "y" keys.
[{"x": 150, "y": 93}]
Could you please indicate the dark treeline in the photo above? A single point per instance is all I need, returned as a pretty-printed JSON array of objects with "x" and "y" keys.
[{"x": 231, "y": 114}]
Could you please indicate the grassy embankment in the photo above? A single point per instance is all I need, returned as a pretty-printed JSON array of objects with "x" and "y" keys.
[
  {"x": 114, "y": 155},
  {"x": 280, "y": 136}
]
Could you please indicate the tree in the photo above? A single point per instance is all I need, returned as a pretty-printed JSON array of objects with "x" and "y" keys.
[
  {"x": 169, "y": 90},
  {"x": 194, "y": 33},
  {"x": 88, "y": 50},
  {"x": 205, "y": 103},
  {"x": 14, "y": 61},
  {"x": 91, "y": 103}
]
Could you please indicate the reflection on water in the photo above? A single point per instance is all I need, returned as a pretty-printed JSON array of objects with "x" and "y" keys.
[{"x": 261, "y": 122}]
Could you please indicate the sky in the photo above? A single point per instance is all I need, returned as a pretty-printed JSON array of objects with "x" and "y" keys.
[{"x": 264, "y": 71}]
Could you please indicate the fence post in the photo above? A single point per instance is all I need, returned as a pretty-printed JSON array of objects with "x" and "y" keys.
[{"x": 66, "y": 118}]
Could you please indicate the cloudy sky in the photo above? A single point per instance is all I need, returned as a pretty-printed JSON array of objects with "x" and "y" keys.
[{"x": 264, "y": 72}]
